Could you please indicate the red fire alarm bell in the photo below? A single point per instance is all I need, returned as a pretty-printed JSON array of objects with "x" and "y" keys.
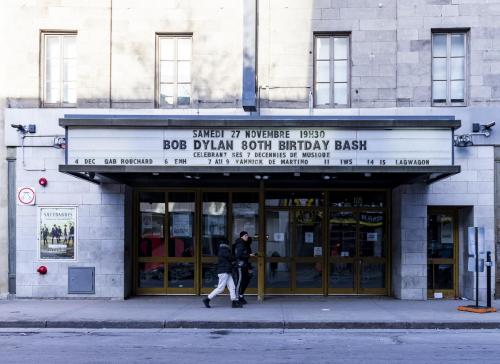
[
  {"x": 43, "y": 181},
  {"x": 42, "y": 269}
]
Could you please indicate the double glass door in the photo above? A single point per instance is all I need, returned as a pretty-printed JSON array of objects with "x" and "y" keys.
[
  {"x": 166, "y": 248},
  {"x": 178, "y": 237},
  {"x": 294, "y": 251},
  {"x": 308, "y": 242},
  {"x": 357, "y": 251}
]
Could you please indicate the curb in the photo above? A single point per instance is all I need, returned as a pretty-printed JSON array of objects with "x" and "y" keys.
[{"x": 107, "y": 324}]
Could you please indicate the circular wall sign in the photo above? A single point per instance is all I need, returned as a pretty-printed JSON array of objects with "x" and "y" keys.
[{"x": 26, "y": 196}]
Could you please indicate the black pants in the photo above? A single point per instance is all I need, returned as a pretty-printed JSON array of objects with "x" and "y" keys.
[{"x": 242, "y": 279}]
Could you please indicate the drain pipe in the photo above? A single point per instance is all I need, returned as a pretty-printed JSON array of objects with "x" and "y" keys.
[
  {"x": 249, "y": 97},
  {"x": 11, "y": 228}
]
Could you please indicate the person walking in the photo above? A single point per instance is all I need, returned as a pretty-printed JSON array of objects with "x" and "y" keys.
[
  {"x": 224, "y": 272},
  {"x": 242, "y": 253}
]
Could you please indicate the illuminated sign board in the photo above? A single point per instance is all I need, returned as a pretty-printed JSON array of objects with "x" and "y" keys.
[{"x": 258, "y": 147}]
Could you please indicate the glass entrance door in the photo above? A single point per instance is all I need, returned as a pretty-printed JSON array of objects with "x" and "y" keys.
[
  {"x": 181, "y": 256},
  {"x": 166, "y": 250},
  {"x": 308, "y": 242},
  {"x": 308, "y": 252},
  {"x": 442, "y": 253},
  {"x": 294, "y": 243},
  {"x": 357, "y": 245}
]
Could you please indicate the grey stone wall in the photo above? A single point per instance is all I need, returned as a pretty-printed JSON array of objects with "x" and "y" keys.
[
  {"x": 100, "y": 228},
  {"x": 472, "y": 192},
  {"x": 416, "y": 19},
  {"x": 497, "y": 218},
  {"x": 410, "y": 241},
  {"x": 390, "y": 74},
  {"x": 391, "y": 49}
]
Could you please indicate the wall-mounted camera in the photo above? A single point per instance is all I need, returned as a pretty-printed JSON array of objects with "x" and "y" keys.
[
  {"x": 482, "y": 129},
  {"x": 30, "y": 128}
]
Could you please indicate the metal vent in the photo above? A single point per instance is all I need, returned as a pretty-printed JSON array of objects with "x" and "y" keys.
[{"x": 81, "y": 280}]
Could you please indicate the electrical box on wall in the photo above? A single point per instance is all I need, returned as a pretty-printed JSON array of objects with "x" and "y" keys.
[{"x": 81, "y": 280}]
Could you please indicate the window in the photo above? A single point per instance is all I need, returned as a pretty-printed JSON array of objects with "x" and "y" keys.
[
  {"x": 174, "y": 70},
  {"x": 448, "y": 68},
  {"x": 59, "y": 69},
  {"x": 331, "y": 70}
]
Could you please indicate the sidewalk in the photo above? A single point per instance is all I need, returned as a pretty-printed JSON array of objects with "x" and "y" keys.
[{"x": 276, "y": 312}]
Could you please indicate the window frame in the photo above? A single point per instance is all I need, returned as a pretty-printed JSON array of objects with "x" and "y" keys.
[
  {"x": 175, "y": 104},
  {"x": 331, "y": 36},
  {"x": 44, "y": 34},
  {"x": 449, "y": 33}
]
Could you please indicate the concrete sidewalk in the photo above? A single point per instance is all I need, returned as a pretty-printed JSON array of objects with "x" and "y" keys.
[{"x": 276, "y": 312}]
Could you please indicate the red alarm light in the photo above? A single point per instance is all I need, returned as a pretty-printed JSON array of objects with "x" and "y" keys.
[
  {"x": 42, "y": 269},
  {"x": 43, "y": 182}
]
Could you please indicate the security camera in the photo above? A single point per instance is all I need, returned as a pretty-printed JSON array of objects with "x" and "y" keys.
[
  {"x": 19, "y": 127},
  {"x": 489, "y": 125}
]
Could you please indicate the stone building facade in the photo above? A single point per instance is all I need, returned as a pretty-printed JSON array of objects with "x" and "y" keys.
[{"x": 389, "y": 74}]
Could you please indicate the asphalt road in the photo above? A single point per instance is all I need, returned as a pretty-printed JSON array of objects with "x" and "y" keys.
[{"x": 248, "y": 346}]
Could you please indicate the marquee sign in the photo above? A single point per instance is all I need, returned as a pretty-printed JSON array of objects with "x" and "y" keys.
[{"x": 258, "y": 147}]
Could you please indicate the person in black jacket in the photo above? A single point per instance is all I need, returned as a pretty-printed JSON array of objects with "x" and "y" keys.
[
  {"x": 242, "y": 253},
  {"x": 224, "y": 271}
]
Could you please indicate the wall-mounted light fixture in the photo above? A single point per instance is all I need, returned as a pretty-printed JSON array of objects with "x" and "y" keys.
[
  {"x": 465, "y": 140},
  {"x": 59, "y": 142}
]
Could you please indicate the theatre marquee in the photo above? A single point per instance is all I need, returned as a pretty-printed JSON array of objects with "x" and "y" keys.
[{"x": 264, "y": 147}]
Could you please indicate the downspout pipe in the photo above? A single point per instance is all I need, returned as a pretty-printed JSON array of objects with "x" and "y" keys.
[
  {"x": 11, "y": 218},
  {"x": 249, "y": 92}
]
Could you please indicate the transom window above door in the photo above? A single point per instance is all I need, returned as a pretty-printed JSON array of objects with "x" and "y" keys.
[{"x": 332, "y": 70}]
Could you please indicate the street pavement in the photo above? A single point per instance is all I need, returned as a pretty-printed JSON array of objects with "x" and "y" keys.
[
  {"x": 248, "y": 346},
  {"x": 280, "y": 312}
]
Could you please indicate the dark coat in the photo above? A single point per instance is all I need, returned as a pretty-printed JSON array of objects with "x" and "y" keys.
[
  {"x": 242, "y": 251},
  {"x": 225, "y": 259}
]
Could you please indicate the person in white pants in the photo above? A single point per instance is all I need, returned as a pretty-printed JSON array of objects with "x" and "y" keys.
[{"x": 224, "y": 271}]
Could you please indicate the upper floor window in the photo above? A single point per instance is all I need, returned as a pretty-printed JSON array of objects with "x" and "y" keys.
[
  {"x": 58, "y": 69},
  {"x": 449, "y": 64},
  {"x": 331, "y": 70},
  {"x": 173, "y": 70}
]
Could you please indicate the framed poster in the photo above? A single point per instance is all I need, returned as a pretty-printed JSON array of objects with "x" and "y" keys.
[{"x": 57, "y": 232}]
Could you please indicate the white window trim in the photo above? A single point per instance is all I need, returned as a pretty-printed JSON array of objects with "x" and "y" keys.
[
  {"x": 43, "y": 80},
  {"x": 175, "y": 104},
  {"x": 448, "y": 102},
  {"x": 331, "y": 36}
]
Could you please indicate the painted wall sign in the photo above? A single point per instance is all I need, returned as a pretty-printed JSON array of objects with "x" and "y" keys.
[
  {"x": 269, "y": 147},
  {"x": 26, "y": 196}
]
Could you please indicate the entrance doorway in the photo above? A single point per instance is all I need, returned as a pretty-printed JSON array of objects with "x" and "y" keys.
[
  {"x": 294, "y": 242},
  {"x": 442, "y": 252},
  {"x": 358, "y": 246},
  {"x": 308, "y": 241}
]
